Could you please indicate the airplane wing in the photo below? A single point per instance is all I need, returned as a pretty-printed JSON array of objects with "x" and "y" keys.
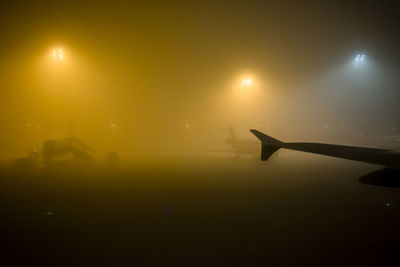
[{"x": 385, "y": 157}]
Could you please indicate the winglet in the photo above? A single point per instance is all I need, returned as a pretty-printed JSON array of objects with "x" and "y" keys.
[{"x": 268, "y": 144}]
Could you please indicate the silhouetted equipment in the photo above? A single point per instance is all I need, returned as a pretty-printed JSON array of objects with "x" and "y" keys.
[
  {"x": 67, "y": 150},
  {"x": 385, "y": 157}
]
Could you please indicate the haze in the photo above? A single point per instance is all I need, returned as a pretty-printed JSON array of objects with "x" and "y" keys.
[
  {"x": 171, "y": 89},
  {"x": 151, "y": 69}
]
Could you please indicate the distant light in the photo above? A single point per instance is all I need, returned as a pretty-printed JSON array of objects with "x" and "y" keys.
[
  {"x": 246, "y": 82},
  {"x": 359, "y": 59},
  {"x": 58, "y": 54},
  {"x": 113, "y": 125},
  {"x": 387, "y": 204}
]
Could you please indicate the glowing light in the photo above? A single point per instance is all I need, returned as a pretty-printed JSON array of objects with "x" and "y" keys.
[
  {"x": 359, "y": 59},
  {"x": 58, "y": 54},
  {"x": 189, "y": 125},
  {"x": 246, "y": 83}
]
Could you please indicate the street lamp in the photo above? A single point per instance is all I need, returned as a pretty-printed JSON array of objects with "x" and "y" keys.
[
  {"x": 359, "y": 60},
  {"x": 58, "y": 54},
  {"x": 246, "y": 83}
]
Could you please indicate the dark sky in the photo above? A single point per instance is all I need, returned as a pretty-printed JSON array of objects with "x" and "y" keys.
[
  {"x": 162, "y": 64},
  {"x": 309, "y": 34}
]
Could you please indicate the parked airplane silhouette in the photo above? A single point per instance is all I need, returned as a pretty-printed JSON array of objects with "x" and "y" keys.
[
  {"x": 390, "y": 176},
  {"x": 239, "y": 146}
]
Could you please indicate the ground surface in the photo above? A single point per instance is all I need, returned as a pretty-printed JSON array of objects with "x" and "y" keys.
[{"x": 291, "y": 211}]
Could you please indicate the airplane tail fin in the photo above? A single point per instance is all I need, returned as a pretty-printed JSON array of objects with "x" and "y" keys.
[{"x": 268, "y": 144}]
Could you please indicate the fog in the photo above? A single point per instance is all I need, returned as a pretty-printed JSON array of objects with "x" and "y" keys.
[
  {"x": 125, "y": 133},
  {"x": 165, "y": 78}
]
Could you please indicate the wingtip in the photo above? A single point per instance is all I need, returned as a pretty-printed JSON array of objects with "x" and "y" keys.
[
  {"x": 256, "y": 132},
  {"x": 266, "y": 138}
]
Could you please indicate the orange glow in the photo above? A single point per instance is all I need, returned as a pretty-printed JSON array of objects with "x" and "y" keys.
[{"x": 58, "y": 54}]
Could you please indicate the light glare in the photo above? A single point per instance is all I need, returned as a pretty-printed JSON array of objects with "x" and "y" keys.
[
  {"x": 246, "y": 82},
  {"x": 359, "y": 59},
  {"x": 58, "y": 54}
]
